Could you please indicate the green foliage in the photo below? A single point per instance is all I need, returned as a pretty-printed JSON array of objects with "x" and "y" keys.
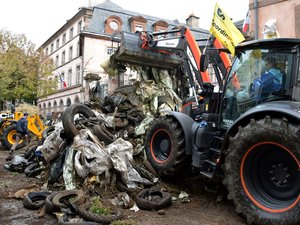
[
  {"x": 23, "y": 70},
  {"x": 98, "y": 208}
]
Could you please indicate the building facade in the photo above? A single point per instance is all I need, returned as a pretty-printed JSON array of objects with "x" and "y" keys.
[
  {"x": 84, "y": 42},
  {"x": 286, "y": 13}
]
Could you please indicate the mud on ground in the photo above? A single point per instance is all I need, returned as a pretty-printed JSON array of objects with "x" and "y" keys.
[{"x": 203, "y": 207}]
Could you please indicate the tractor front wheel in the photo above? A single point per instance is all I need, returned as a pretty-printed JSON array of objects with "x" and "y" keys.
[
  {"x": 262, "y": 172},
  {"x": 165, "y": 147},
  {"x": 9, "y": 137}
]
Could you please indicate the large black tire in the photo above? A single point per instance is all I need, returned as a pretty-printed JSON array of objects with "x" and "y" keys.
[
  {"x": 47, "y": 131},
  {"x": 9, "y": 137},
  {"x": 262, "y": 172},
  {"x": 70, "y": 129},
  {"x": 59, "y": 200},
  {"x": 48, "y": 203},
  {"x": 32, "y": 170},
  {"x": 102, "y": 134},
  {"x": 35, "y": 200},
  {"x": 165, "y": 147},
  {"x": 153, "y": 199}
]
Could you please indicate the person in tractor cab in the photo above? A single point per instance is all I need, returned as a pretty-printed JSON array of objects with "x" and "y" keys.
[
  {"x": 269, "y": 82},
  {"x": 22, "y": 134}
]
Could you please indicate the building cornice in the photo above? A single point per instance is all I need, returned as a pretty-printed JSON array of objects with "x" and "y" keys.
[
  {"x": 51, "y": 97},
  {"x": 97, "y": 35}
]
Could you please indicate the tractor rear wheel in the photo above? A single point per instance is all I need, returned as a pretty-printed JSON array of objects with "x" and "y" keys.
[
  {"x": 262, "y": 172},
  {"x": 165, "y": 146},
  {"x": 9, "y": 137}
]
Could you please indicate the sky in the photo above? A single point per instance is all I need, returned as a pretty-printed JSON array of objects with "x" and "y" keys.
[{"x": 39, "y": 19}]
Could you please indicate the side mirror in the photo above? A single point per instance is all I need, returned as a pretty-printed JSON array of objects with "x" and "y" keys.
[{"x": 203, "y": 62}]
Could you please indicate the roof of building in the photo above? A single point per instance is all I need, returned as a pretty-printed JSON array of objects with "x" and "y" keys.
[
  {"x": 107, "y": 4},
  {"x": 107, "y": 8}
]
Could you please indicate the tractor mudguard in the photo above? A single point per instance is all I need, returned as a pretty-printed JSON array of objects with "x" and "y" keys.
[
  {"x": 278, "y": 109},
  {"x": 186, "y": 123}
]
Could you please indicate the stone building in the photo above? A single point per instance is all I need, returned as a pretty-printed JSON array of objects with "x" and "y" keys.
[
  {"x": 84, "y": 42},
  {"x": 286, "y": 13}
]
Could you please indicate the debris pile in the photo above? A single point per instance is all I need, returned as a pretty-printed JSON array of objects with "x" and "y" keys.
[{"x": 92, "y": 147}]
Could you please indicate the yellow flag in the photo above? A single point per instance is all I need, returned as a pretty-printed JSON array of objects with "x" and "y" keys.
[{"x": 224, "y": 29}]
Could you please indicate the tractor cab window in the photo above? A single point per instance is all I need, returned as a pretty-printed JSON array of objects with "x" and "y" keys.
[{"x": 257, "y": 75}]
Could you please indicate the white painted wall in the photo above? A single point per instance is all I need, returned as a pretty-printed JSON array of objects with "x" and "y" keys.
[{"x": 72, "y": 92}]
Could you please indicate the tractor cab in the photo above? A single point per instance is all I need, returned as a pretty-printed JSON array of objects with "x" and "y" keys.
[{"x": 263, "y": 71}]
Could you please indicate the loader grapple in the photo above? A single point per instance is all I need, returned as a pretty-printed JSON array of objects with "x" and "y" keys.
[{"x": 130, "y": 51}]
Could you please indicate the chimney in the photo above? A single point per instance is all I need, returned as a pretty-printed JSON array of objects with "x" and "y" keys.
[{"x": 192, "y": 21}]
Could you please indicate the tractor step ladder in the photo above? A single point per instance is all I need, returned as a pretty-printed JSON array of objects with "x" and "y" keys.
[{"x": 213, "y": 157}]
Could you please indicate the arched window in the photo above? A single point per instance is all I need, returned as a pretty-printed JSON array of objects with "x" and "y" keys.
[
  {"x": 61, "y": 105},
  {"x": 160, "y": 25},
  {"x": 55, "y": 106},
  {"x": 69, "y": 102},
  {"x": 138, "y": 23}
]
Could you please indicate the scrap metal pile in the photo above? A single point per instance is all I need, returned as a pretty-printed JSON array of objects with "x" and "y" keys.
[{"x": 99, "y": 146}]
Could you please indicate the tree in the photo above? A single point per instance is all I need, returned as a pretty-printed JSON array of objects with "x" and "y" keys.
[{"x": 24, "y": 72}]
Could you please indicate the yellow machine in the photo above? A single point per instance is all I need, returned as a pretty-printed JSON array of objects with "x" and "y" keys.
[{"x": 8, "y": 129}]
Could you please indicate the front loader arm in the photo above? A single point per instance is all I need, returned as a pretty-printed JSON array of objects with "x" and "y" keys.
[
  {"x": 184, "y": 44},
  {"x": 172, "y": 49}
]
